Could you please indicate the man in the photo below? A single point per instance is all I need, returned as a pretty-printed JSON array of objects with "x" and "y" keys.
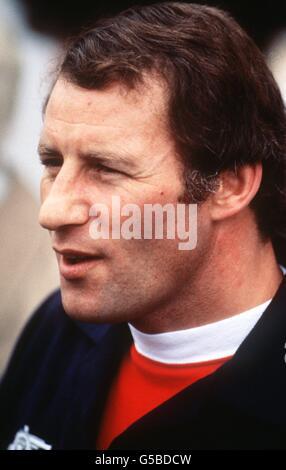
[{"x": 148, "y": 346}]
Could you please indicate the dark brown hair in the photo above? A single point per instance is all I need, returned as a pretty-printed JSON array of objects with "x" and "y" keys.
[{"x": 224, "y": 107}]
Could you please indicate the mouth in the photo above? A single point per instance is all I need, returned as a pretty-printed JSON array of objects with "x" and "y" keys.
[
  {"x": 75, "y": 265},
  {"x": 76, "y": 259}
]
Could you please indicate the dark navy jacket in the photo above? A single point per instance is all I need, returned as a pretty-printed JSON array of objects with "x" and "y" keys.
[{"x": 61, "y": 370}]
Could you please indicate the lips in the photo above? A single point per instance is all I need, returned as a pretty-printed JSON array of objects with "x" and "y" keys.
[{"x": 74, "y": 264}]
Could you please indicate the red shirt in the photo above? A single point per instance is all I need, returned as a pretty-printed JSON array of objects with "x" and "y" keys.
[{"x": 142, "y": 384}]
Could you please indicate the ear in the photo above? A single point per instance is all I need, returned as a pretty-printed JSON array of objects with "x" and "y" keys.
[{"x": 236, "y": 189}]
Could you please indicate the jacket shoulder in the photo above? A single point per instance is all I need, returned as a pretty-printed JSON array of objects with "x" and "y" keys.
[{"x": 48, "y": 335}]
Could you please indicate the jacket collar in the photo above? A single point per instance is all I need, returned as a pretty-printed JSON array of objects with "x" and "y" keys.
[{"x": 254, "y": 379}]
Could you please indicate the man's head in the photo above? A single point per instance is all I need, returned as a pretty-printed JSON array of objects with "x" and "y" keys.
[{"x": 178, "y": 103}]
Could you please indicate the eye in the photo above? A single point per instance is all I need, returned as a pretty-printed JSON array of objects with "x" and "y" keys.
[
  {"x": 50, "y": 162},
  {"x": 99, "y": 167},
  {"x": 105, "y": 169}
]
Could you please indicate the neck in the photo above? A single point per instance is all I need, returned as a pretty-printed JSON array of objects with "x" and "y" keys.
[{"x": 236, "y": 274}]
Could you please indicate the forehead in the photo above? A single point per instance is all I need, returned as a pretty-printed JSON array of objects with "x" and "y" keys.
[{"x": 115, "y": 107}]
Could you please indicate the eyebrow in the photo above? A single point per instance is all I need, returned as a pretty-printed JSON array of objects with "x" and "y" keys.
[
  {"x": 46, "y": 149},
  {"x": 102, "y": 157},
  {"x": 105, "y": 157}
]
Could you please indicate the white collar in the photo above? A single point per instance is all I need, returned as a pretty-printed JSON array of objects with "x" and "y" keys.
[{"x": 204, "y": 343}]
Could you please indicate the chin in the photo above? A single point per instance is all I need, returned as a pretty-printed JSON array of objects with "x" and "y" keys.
[
  {"x": 88, "y": 310},
  {"x": 77, "y": 306}
]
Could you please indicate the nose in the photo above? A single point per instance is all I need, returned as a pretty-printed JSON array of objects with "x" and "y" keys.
[{"x": 63, "y": 204}]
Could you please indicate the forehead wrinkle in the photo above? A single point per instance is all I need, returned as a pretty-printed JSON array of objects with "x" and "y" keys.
[
  {"x": 88, "y": 124},
  {"x": 139, "y": 125},
  {"x": 95, "y": 151},
  {"x": 124, "y": 134}
]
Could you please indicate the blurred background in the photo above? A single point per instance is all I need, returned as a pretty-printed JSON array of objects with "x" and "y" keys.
[{"x": 31, "y": 34}]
